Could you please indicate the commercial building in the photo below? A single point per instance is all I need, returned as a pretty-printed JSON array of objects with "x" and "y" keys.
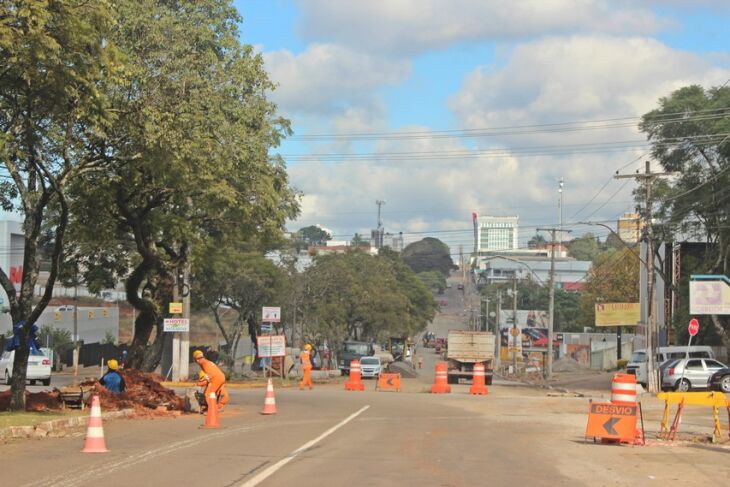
[
  {"x": 496, "y": 233},
  {"x": 570, "y": 274}
]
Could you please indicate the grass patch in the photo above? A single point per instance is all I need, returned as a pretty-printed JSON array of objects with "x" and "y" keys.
[{"x": 8, "y": 419}]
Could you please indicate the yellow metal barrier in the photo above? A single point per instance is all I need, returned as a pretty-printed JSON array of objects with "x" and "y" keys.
[{"x": 714, "y": 399}]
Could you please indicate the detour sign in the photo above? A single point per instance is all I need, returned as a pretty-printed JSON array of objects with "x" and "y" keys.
[
  {"x": 606, "y": 420},
  {"x": 389, "y": 382}
]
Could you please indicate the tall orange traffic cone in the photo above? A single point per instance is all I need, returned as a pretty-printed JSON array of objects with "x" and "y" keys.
[
  {"x": 478, "y": 382},
  {"x": 269, "y": 400},
  {"x": 211, "y": 418},
  {"x": 95, "y": 432},
  {"x": 441, "y": 385}
]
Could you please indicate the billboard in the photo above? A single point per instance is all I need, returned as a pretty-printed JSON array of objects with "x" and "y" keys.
[
  {"x": 707, "y": 297},
  {"x": 618, "y": 314}
]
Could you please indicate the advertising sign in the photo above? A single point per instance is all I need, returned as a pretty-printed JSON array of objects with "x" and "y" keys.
[
  {"x": 176, "y": 325},
  {"x": 709, "y": 298},
  {"x": 618, "y": 314},
  {"x": 271, "y": 345},
  {"x": 271, "y": 314},
  {"x": 176, "y": 308}
]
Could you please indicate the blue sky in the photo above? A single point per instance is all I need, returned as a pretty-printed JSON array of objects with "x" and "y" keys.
[{"x": 410, "y": 70}]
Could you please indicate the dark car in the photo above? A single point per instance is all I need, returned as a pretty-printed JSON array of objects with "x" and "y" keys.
[
  {"x": 720, "y": 381},
  {"x": 353, "y": 350}
]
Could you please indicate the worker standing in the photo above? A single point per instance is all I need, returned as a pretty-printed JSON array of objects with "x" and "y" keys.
[
  {"x": 113, "y": 380},
  {"x": 305, "y": 357},
  {"x": 216, "y": 379}
]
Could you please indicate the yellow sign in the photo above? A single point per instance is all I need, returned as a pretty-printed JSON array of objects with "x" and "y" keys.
[
  {"x": 617, "y": 314},
  {"x": 91, "y": 315},
  {"x": 176, "y": 308},
  {"x": 57, "y": 316},
  {"x": 106, "y": 313}
]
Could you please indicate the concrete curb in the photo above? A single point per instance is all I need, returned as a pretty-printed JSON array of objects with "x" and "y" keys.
[{"x": 57, "y": 427}]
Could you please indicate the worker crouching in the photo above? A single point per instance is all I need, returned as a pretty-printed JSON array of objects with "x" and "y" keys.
[
  {"x": 113, "y": 380},
  {"x": 214, "y": 379}
]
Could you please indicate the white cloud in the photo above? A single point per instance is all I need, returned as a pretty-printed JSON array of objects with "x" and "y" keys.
[
  {"x": 414, "y": 26},
  {"x": 327, "y": 77}
]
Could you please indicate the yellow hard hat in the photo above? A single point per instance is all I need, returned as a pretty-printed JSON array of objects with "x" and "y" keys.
[
  {"x": 197, "y": 354},
  {"x": 112, "y": 364},
  {"x": 307, "y": 347},
  {"x": 201, "y": 375}
]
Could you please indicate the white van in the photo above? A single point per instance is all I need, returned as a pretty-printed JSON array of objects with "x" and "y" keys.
[{"x": 637, "y": 364}]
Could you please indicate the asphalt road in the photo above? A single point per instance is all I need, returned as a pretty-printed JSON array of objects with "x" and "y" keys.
[{"x": 332, "y": 437}]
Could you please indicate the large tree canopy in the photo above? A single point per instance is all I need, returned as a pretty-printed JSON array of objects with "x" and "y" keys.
[
  {"x": 690, "y": 136},
  {"x": 429, "y": 254},
  {"x": 191, "y": 154},
  {"x": 55, "y": 63}
]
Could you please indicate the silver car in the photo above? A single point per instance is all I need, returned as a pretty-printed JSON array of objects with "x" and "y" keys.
[
  {"x": 370, "y": 367},
  {"x": 685, "y": 374}
]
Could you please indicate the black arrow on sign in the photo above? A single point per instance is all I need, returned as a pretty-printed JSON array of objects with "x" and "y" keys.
[{"x": 608, "y": 426}]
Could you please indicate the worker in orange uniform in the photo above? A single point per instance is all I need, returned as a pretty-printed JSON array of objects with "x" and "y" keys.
[
  {"x": 215, "y": 379},
  {"x": 305, "y": 357}
]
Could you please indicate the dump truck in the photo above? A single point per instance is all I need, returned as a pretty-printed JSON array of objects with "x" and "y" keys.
[{"x": 466, "y": 348}]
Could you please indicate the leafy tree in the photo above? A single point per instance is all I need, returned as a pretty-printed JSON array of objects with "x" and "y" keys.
[
  {"x": 433, "y": 280},
  {"x": 52, "y": 102},
  {"x": 358, "y": 241},
  {"x": 583, "y": 248},
  {"x": 231, "y": 278},
  {"x": 614, "y": 278},
  {"x": 537, "y": 242},
  {"x": 429, "y": 254},
  {"x": 313, "y": 235},
  {"x": 190, "y": 151},
  {"x": 363, "y": 297},
  {"x": 695, "y": 121}
]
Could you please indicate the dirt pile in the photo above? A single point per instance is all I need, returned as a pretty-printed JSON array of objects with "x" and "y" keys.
[
  {"x": 568, "y": 364},
  {"x": 143, "y": 393},
  {"x": 34, "y": 401}
]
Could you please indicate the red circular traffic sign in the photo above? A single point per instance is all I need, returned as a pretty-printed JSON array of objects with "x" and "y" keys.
[{"x": 694, "y": 326}]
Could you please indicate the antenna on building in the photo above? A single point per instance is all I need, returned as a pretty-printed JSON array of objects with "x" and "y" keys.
[{"x": 379, "y": 203}]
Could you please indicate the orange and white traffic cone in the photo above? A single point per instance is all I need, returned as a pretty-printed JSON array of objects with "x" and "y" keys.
[
  {"x": 269, "y": 400},
  {"x": 95, "y": 432},
  {"x": 211, "y": 418}
]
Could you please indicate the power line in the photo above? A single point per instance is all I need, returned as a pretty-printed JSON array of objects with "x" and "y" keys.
[{"x": 571, "y": 126}]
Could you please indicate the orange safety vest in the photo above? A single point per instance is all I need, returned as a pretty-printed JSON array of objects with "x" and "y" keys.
[
  {"x": 215, "y": 374},
  {"x": 306, "y": 362}
]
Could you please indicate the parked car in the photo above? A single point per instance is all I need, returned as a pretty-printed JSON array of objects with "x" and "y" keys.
[
  {"x": 370, "y": 367},
  {"x": 693, "y": 373},
  {"x": 39, "y": 367},
  {"x": 720, "y": 381}
]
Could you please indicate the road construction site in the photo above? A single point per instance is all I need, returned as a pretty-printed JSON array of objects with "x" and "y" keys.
[{"x": 522, "y": 431}]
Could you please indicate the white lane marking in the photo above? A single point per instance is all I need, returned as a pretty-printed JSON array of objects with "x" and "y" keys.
[
  {"x": 75, "y": 478},
  {"x": 278, "y": 465}
]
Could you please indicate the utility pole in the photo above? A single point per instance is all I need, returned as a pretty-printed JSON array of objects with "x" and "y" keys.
[
  {"x": 514, "y": 332},
  {"x": 486, "y": 313},
  {"x": 651, "y": 331},
  {"x": 185, "y": 336},
  {"x": 551, "y": 305},
  {"x": 498, "y": 330}
]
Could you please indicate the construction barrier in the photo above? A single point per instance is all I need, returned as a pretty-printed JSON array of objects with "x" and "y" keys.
[
  {"x": 716, "y": 400},
  {"x": 212, "y": 420},
  {"x": 269, "y": 399},
  {"x": 479, "y": 385},
  {"x": 355, "y": 381},
  {"x": 95, "y": 442},
  {"x": 440, "y": 384},
  {"x": 623, "y": 389},
  {"x": 613, "y": 422},
  {"x": 388, "y": 382}
]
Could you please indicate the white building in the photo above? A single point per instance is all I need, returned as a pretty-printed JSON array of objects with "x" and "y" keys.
[{"x": 497, "y": 233}]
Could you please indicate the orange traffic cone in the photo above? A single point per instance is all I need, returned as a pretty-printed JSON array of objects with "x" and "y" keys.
[
  {"x": 269, "y": 400},
  {"x": 211, "y": 418},
  {"x": 95, "y": 432}
]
